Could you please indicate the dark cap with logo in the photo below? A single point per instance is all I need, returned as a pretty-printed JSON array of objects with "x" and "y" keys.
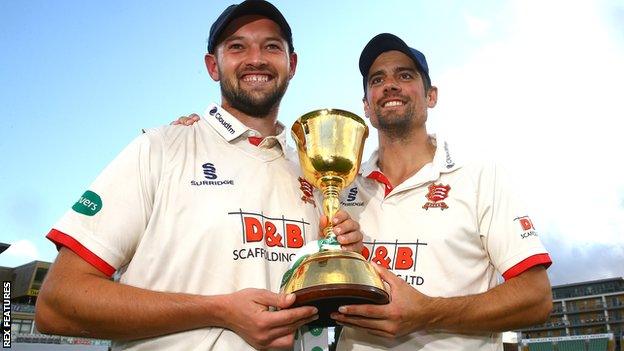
[
  {"x": 388, "y": 42},
  {"x": 248, "y": 7}
]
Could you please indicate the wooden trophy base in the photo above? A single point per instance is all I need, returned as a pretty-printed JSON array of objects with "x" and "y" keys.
[{"x": 328, "y": 297}]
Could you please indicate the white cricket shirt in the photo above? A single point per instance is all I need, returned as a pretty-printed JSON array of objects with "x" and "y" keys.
[
  {"x": 447, "y": 230},
  {"x": 196, "y": 210}
]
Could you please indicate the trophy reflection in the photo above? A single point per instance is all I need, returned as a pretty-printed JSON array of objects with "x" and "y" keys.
[{"x": 330, "y": 144}]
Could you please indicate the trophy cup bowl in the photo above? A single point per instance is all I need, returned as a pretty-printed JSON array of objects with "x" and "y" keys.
[{"x": 330, "y": 144}]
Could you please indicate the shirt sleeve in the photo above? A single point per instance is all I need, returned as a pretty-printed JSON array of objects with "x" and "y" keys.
[
  {"x": 508, "y": 233},
  {"x": 106, "y": 223}
]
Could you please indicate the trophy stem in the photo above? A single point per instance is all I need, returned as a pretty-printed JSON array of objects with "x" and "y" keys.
[{"x": 331, "y": 187}]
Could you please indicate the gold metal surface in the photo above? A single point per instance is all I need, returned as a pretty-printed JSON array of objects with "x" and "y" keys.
[
  {"x": 330, "y": 144},
  {"x": 333, "y": 267}
]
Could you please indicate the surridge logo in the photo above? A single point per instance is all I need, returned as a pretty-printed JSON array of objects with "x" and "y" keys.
[
  {"x": 228, "y": 126},
  {"x": 352, "y": 194},
  {"x": 351, "y": 197},
  {"x": 210, "y": 172}
]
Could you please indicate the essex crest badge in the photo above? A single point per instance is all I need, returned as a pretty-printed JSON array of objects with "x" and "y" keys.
[
  {"x": 308, "y": 191},
  {"x": 437, "y": 193}
]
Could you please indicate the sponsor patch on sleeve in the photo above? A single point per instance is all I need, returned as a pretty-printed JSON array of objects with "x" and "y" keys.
[
  {"x": 89, "y": 203},
  {"x": 526, "y": 227}
]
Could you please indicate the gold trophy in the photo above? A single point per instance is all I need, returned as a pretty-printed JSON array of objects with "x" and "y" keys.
[{"x": 330, "y": 144}]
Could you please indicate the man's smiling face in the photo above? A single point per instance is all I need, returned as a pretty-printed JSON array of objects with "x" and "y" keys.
[
  {"x": 253, "y": 65},
  {"x": 396, "y": 100}
]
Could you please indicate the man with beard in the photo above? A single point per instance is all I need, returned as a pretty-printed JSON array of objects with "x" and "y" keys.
[
  {"x": 198, "y": 222},
  {"x": 440, "y": 231}
]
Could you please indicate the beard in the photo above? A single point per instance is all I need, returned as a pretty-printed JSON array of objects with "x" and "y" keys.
[
  {"x": 255, "y": 105},
  {"x": 396, "y": 125}
]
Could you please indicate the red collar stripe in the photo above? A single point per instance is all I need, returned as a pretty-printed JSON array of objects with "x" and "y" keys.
[
  {"x": 381, "y": 178},
  {"x": 255, "y": 140}
]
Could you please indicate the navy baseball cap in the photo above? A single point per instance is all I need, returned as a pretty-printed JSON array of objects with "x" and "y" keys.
[
  {"x": 248, "y": 7},
  {"x": 388, "y": 42}
]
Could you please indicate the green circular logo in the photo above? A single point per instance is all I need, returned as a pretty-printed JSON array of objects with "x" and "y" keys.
[{"x": 316, "y": 331}]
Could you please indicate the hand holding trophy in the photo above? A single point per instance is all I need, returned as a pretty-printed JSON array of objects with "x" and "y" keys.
[{"x": 330, "y": 144}]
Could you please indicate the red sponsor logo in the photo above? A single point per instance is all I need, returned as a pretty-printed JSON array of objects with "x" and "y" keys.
[
  {"x": 274, "y": 232},
  {"x": 308, "y": 191},
  {"x": 393, "y": 255},
  {"x": 256, "y": 231},
  {"x": 397, "y": 257},
  {"x": 400, "y": 257},
  {"x": 437, "y": 193},
  {"x": 525, "y": 223},
  {"x": 526, "y": 226}
]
